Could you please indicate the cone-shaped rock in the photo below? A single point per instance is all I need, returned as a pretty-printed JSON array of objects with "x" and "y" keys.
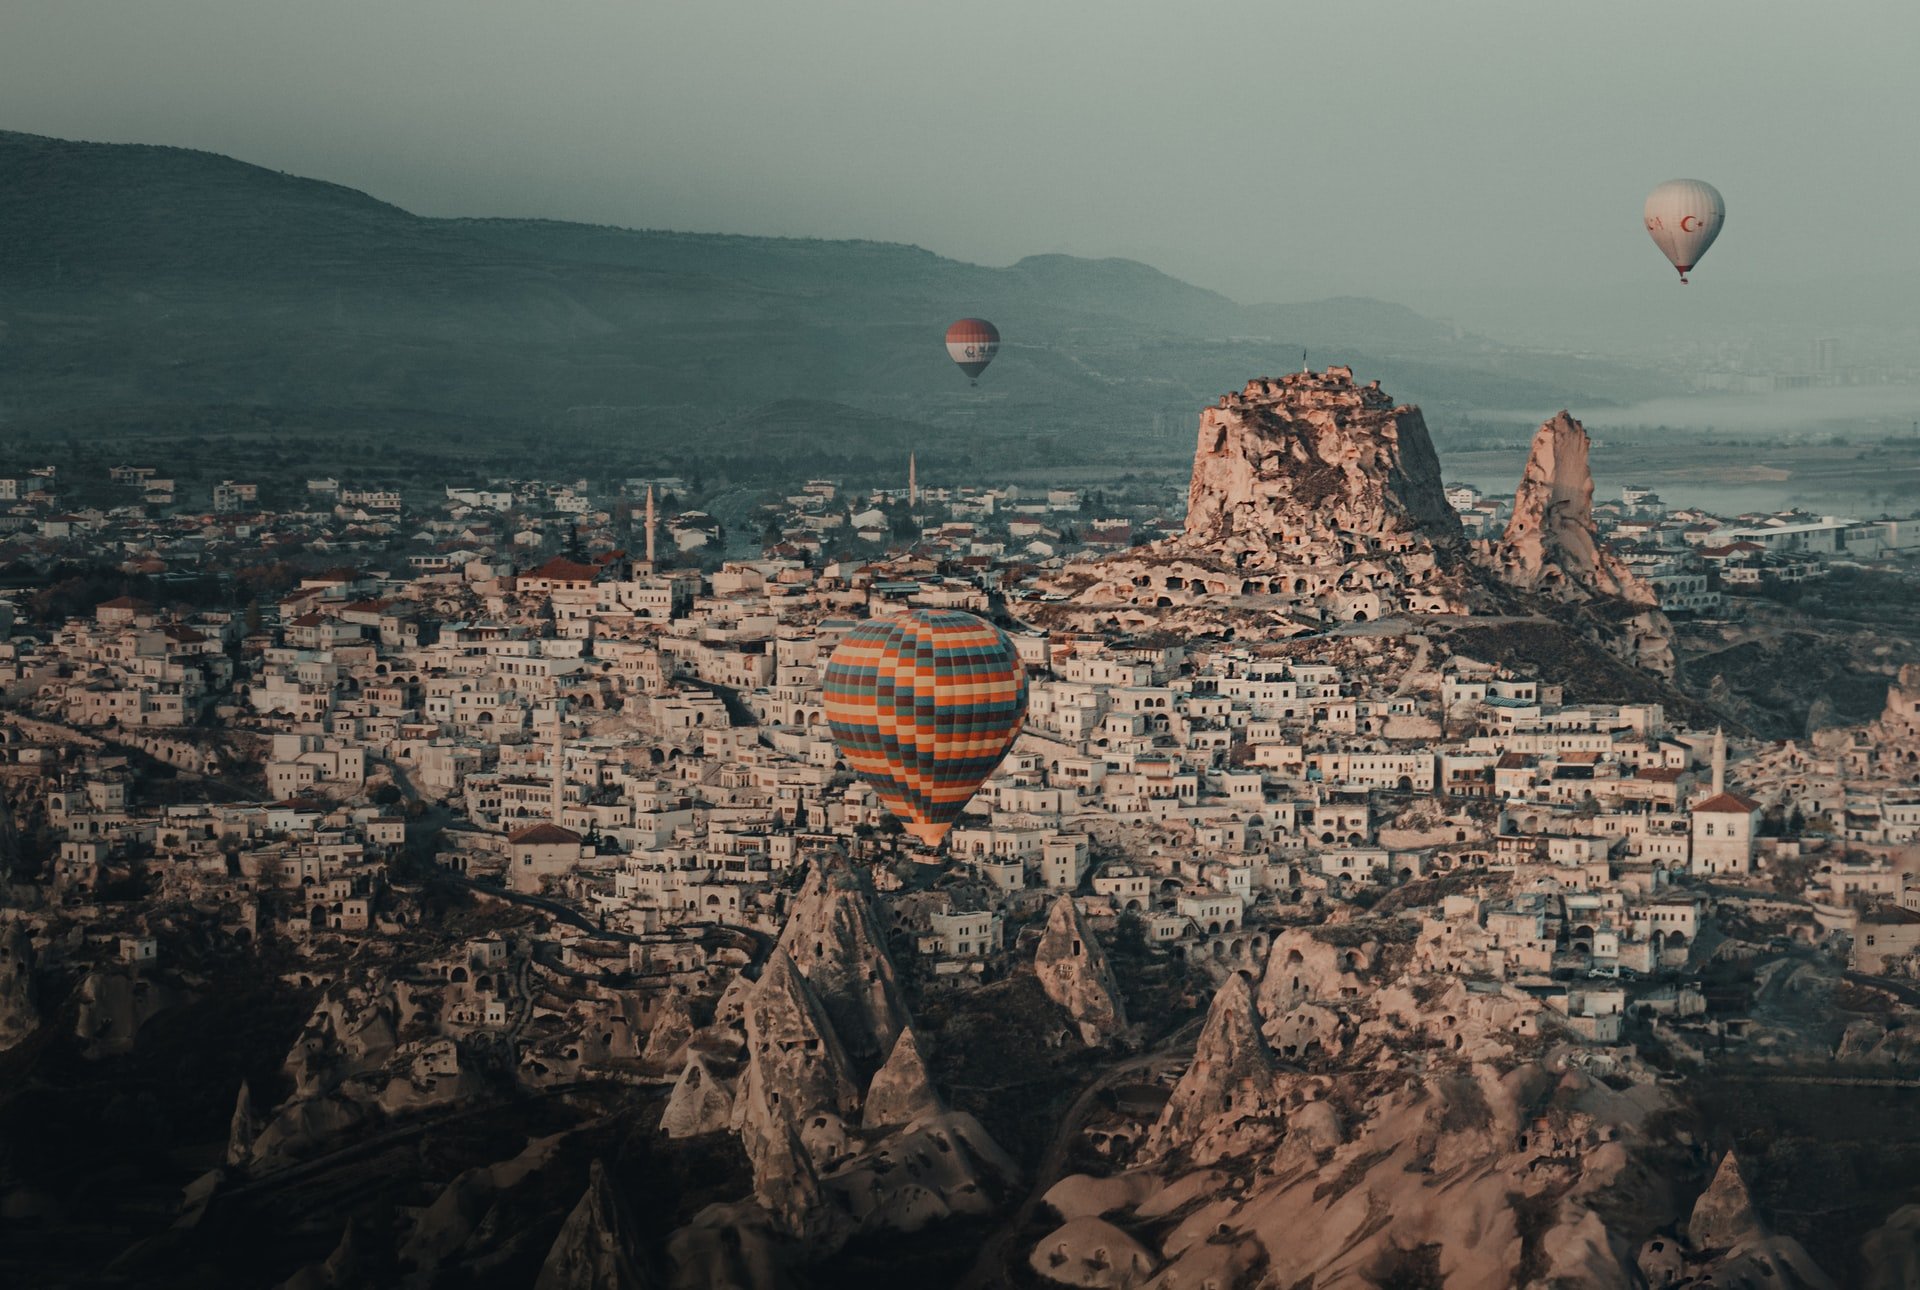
[
  {"x": 836, "y": 942},
  {"x": 901, "y": 1091},
  {"x": 1551, "y": 543},
  {"x": 19, "y": 1008},
  {"x": 701, "y": 1102},
  {"x": 242, "y": 1127},
  {"x": 1073, "y": 971},
  {"x": 1232, "y": 1066},
  {"x": 597, "y": 1247},
  {"x": 1724, "y": 1216},
  {"x": 672, "y": 1027}
]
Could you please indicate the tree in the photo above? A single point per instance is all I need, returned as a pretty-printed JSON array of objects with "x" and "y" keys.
[{"x": 1130, "y": 935}]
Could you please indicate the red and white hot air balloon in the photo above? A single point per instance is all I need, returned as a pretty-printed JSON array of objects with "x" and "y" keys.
[
  {"x": 972, "y": 343},
  {"x": 1683, "y": 217}
]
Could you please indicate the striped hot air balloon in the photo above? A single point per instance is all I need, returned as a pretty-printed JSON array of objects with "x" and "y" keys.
[
  {"x": 924, "y": 705},
  {"x": 972, "y": 343}
]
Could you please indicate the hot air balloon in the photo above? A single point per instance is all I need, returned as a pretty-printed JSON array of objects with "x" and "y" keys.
[
  {"x": 972, "y": 343},
  {"x": 1683, "y": 217},
  {"x": 924, "y": 705}
]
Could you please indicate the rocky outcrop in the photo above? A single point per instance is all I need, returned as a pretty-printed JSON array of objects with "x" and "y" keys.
[
  {"x": 700, "y": 1102},
  {"x": 1313, "y": 500},
  {"x": 835, "y": 941},
  {"x": 1291, "y": 463},
  {"x": 242, "y": 1128},
  {"x": 667, "y": 1036},
  {"x": 1891, "y": 1252},
  {"x": 1092, "y": 1252},
  {"x": 463, "y": 1224},
  {"x": 348, "y": 1068},
  {"x": 19, "y": 1005},
  {"x": 1551, "y": 543},
  {"x": 1729, "y": 1244},
  {"x": 1073, "y": 970},
  {"x": 798, "y": 1086},
  {"x": 113, "y": 1005},
  {"x": 1422, "y": 1131},
  {"x": 901, "y": 1091},
  {"x": 1231, "y": 1074},
  {"x": 935, "y": 1168},
  {"x": 598, "y": 1247},
  {"x": 1900, "y": 721},
  {"x": 1724, "y": 1216},
  {"x": 1551, "y": 547},
  {"x": 1316, "y": 502}
]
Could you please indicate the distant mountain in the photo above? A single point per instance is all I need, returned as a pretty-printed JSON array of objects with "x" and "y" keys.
[{"x": 144, "y": 285}]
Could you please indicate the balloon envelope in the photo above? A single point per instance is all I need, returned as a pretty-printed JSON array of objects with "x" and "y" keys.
[
  {"x": 924, "y": 705},
  {"x": 972, "y": 343},
  {"x": 1683, "y": 217}
]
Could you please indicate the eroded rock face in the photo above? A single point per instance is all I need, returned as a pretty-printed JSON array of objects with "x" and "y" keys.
[
  {"x": 1312, "y": 500},
  {"x": 1315, "y": 501},
  {"x": 243, "y": 1127},
  {"x": 1232, "y": 1070},
  {"x": 1412, "y": 1130},
  {"x": 1731, "y": 1246},
  {"x": 1891, "y": 1253},
  {"x": 1288, "y": 463},
  {"x": 798, "y": 1090},
  {"x": 701, "y": 1101},
  {"x": 19, "y": 1006},
  {"x": 835, "y": 941},
  {"x": 1092, "y": 1252},
  {"x": 597, "y": 1247},
  {"x": 1724, "y": 1216},
  {"x": 1550, "y": 543},
  {"x": 828, "y": 1163},
  {"x": 1551, "y": 547},
  {"x": 113, "y": 1005},
  {"x": 901, "y": 1091},
  {"x": 667, "y": 1036},
  {"x": 1073, "y": 971}
]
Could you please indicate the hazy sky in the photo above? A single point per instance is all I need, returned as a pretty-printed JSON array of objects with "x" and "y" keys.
[{"x": 1270, "y": 150}]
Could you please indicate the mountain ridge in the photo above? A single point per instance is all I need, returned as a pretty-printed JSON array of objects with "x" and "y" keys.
[{"x": 153, "y": 276}]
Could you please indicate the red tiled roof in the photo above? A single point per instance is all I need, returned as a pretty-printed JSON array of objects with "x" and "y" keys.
[
  {"x": 542, "y": 835},
  {"x": 1727, "y": 804},
  {"x": 561, "y": 569}
]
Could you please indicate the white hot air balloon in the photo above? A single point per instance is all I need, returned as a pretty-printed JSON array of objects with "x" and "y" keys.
[{"x": 1683, "y": 217}]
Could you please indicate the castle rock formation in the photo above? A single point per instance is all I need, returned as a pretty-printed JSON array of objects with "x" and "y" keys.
[{"x": 1313, "y": 500}]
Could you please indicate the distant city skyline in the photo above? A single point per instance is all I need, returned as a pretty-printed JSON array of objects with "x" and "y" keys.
[{"x": 1273, "y": 153}]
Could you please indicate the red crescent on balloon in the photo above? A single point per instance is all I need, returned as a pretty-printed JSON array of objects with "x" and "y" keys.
[{"x": 1686, "y": 223}]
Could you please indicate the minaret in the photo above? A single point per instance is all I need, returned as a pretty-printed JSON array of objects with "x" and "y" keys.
[
  {"x": 559, "y": 758},
  {"x": 1719, "y": 761},
  {"x": 913, "y": 481},
  {"x": 649, "y": 528}
]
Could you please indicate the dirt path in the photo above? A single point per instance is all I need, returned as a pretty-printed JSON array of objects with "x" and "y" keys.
[{"x": 990, "y": 1268}]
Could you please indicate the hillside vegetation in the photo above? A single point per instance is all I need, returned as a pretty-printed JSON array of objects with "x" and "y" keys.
[{"x": 147, "y": 289}]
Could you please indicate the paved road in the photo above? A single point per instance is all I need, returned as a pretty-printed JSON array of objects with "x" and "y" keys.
[{"x": 990, "y": 1268}]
